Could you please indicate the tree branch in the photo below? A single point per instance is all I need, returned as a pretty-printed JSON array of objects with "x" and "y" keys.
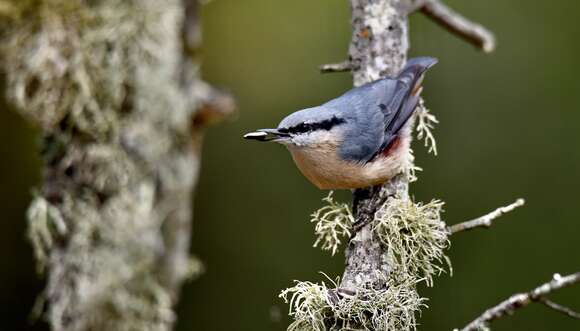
[
  {"x": 111, "y": 223},
  {"x": 559, "y": 308},
  {"x": 520, "y": 300},
  {"x": 379, "y": 47},
  {"x": 455, "y": 23},
  {"x": 485, "y": 220},
  {"x": 343, "y": 66}
]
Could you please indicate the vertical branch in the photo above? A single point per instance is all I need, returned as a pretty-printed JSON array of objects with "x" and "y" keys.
[
  {"x": 177, "y": 228},
  {"x": 379, "y": 45},
  {"x": 396, "y": 243},
  {"x": 378, "y": 48},
  {"x": 114, "y": 85}
]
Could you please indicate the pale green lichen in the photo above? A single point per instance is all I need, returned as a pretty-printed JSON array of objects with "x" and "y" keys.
[
  {"x": 51, "y": 51},
  {"x": 195, "y": 268},
  {"x": 45, "y": 222},
  {"x": 415, "y": 234},
  {"x": 426, "y": 122},
  {"x": 320, "y": 308},
  {"x": 333, "y": 222},
  {"x": 101, "y": 78},
  {"x": 416, "y": 237},
  {"x": 83, "y": 61},
  {"x": 410, "y": 169},
  {"x": 105, "y": 274}
]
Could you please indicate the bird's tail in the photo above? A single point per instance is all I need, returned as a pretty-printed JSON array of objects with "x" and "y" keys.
[
  {"x": 411, "y": 76},
  {"x": 415, "y": 68}
]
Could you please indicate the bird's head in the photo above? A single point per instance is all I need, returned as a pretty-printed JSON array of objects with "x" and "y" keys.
[{"x": 305, "y": 128}]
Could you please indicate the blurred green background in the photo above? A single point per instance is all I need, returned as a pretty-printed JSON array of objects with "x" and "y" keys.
[{"x": 510, "y": 127}]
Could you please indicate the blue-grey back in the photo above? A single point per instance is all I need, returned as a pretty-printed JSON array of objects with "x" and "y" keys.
[
  {"x": 364, "y": 108},
  {"x": 369, "y": 116}
]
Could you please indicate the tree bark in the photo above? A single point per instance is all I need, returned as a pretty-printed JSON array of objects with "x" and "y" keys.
[
  {"x": 378, "y": 48},
  {"x": 114, "y": 85}
]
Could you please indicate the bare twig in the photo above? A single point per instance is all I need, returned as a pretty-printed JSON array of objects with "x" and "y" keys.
[
  {"x": 343, "y": 66},
  {"x": 559, "y": 308},
  {"x": 455, "y": 23},
  {"x": 509, "y": 306},
  {"x": 485, "y": 220}
]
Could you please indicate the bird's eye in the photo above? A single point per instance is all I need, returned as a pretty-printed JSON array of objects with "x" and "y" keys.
[
  {"x": 302, "y": 127},
  {"x": 322, "y": 125}
]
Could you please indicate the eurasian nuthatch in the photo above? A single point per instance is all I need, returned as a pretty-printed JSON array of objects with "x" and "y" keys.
[{"x": 358, "y": 139}]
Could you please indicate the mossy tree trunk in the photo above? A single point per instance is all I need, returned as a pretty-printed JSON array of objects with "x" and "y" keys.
[{"x": 114, "y": 85}]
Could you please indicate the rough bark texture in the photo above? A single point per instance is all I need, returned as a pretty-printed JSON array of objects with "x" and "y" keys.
[
  {"x": 378, "y": 48},
  {"x": 110, "y": 85}
]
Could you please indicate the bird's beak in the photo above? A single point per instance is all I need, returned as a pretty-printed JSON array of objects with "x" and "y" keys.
[{"x": 267, "y": 135}]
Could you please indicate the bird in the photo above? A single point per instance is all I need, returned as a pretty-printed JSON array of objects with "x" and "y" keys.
[{"x": 360, "y": 139}]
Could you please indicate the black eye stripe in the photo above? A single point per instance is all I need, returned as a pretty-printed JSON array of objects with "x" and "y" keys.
[{"x": 308, "y": 127}]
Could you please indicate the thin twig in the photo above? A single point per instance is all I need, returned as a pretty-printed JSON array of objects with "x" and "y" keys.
[
  {"x": 559, "y": 308},
  {"x": 485, "y": 220},
  {"x": 509, "y": 306},
  {"x": 336, "y": 67},
  {"x": 455, "y": 23}
]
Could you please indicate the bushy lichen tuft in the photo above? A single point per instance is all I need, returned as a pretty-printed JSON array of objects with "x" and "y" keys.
[
  {"x": 333, "y": 222},
  {"x": 416, "y": 237},
  {"x": 320, "y": 308}
]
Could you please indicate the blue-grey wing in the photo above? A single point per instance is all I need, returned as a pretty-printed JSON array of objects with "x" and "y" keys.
[
  {"x": 407, "y": 90},
  {"x": 379, "y": 110},
  {"x": 360, "y": 107},
  {"x": 363, "y": 138}
]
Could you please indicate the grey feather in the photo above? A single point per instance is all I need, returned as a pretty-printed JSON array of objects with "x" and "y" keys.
[
  {"x": 389, "y": 99},
  {"x": 370, "y": 116}
]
